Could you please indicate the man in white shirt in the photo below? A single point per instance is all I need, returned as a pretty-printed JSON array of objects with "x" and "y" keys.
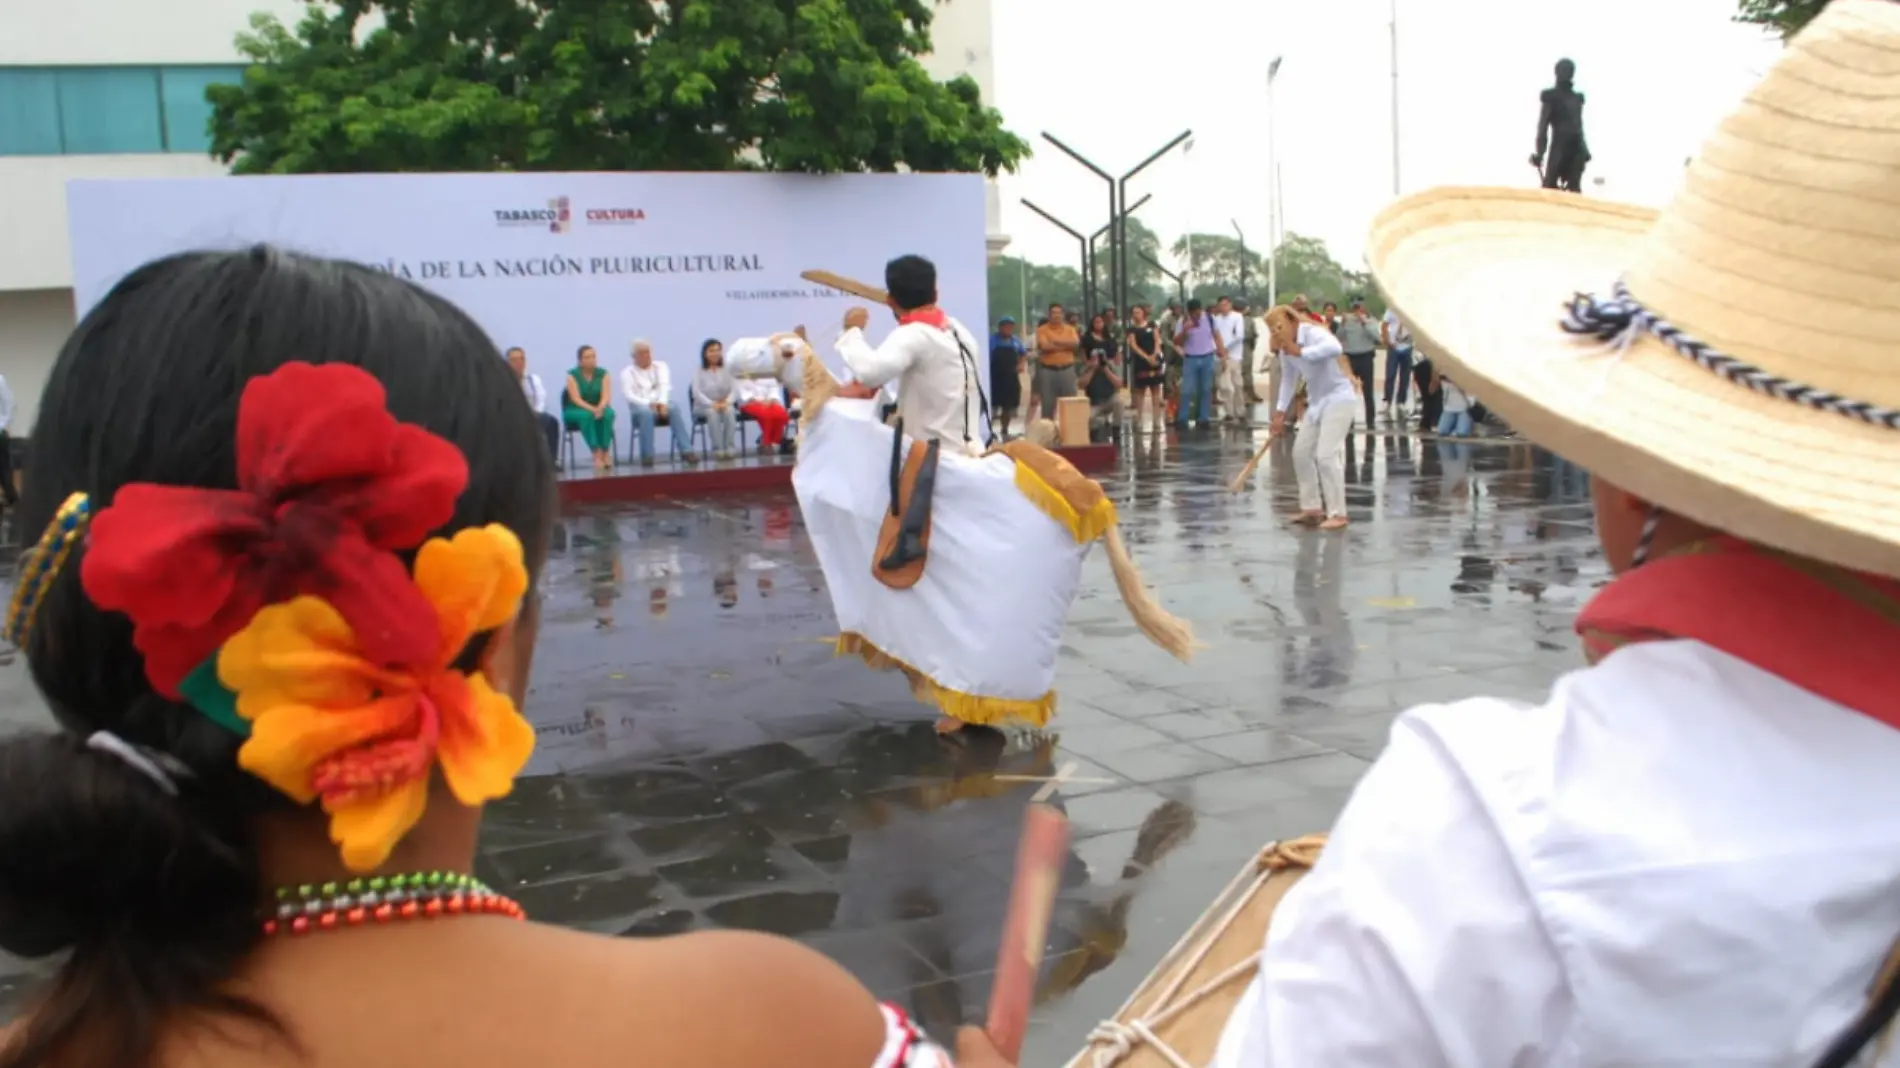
[
  {"x": 647, "y": 384},
  {"x": 537, "y": 397},
  {"x": 933, "y": 359},
  {"x": 1313, "y": 356},
  {"x": 1687, "y": 853},
  {"x": 1230, "y": 381}
]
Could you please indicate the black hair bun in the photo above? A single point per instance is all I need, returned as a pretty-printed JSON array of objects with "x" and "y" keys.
[{"x": 94, "y": 851}]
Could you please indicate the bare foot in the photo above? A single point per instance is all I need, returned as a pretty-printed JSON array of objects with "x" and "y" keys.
[
  {"x": 1334, "y": 522},
  {"x": 1308, "y": 518}
]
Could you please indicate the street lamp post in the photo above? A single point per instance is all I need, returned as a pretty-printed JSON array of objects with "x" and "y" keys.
[
  {"x": 1273, "y": 187},
  {"x": 1395, "y": 97},
  {"x": 1117, "y": 215},
  {"x": 1081, "y": 239},
  {"x": 1243, "y": 257}
]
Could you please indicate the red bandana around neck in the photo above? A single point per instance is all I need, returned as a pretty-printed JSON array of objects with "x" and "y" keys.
[
  {"x": 929, "y": 315},
  {"x": 1833, "y": 632}
]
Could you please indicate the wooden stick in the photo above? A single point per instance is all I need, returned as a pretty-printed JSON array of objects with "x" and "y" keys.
[
  {"x": 847, "y": 285},
  {"x": 1240, "y": 481},
  {"x": 1032, "y": 898}
]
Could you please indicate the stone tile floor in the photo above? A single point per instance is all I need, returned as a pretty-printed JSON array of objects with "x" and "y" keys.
[{"x": 705, "y": 761}]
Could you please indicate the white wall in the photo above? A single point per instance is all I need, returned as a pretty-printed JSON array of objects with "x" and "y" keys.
[
  {"x": 36, "y": 252},
  {"x": 33, "y": 325},
  {"x": 129, "y": 31}
]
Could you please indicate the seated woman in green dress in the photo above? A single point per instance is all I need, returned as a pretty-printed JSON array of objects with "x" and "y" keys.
[{"x": 585, "y": 407}]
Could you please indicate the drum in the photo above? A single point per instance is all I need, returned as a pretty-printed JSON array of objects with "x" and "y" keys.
[{"x": 1176, "y": 1015}]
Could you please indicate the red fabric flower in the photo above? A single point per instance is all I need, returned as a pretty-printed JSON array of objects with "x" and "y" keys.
[{"x": 329, "y": 485}]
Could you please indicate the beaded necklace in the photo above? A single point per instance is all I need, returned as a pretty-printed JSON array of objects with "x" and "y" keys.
[{"x": 383, "y": 899}]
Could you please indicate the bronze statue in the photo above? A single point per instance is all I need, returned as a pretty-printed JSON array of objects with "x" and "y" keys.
[{"x": 1562, "y": 151}]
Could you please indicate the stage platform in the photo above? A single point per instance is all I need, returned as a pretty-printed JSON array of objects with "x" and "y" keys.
[{"x": 673, "y": 479}]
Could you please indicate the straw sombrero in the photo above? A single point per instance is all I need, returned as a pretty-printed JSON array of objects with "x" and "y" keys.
[{"x": 1745, "y": 370}]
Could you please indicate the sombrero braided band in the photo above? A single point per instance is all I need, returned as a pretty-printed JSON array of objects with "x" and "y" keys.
[{"x": 1623, "y": 316}]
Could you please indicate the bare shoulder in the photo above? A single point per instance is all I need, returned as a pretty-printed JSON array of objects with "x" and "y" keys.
[{"x": 732, "y": 998}]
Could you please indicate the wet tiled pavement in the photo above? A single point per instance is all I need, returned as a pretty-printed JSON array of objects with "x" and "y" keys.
[{"x": 705, "y": 761}]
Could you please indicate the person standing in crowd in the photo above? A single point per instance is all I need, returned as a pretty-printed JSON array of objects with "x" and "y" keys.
[
  {"x": 1314, "y": 357},
  {"x": 1231, "y": 384},
  {"x": 1397, "y": 338},
  {"x": 647, "y": 384},
  {"x": 1430, "y": 400},
  {"x": 1201, "y": 349},
  {"x": 7, "y": 490},
  {"x": 1171, "y": 360},
  {"x": 1007, "y": 357},
  {"x": 1146, "y": 370},
  {"x": 760, "y": 399},
  {"x": 1056, "y": 344},
  {"x": 930, "y": 358},
  {"x": 1359, "y": 335},
  {"x": 712, "y": 396},
  {"x": 1100, "y": 380},
  {"x": 586, "y": 406},
  {"x": 531, "y": 388},
  {"x": 1330, "y": 318}
]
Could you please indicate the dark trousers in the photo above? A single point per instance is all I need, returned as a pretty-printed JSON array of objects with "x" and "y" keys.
[
  {"x": 11, "y": 495},
  {"x": 1362, "y": 369},
  {"x": 1431, "y": 404},
  {"x": 1398, "y": 371},
  {"x": 551, "y": 430}
]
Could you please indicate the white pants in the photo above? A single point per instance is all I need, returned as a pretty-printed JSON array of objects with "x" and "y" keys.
[
  {"x": 1230, "y": 385},
  {"x": 1319, "y": 457}
]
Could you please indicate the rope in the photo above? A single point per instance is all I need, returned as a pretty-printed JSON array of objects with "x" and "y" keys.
[
  {"x": 1623, "y": 316},
  {"x": 1111, "y": 1041}
]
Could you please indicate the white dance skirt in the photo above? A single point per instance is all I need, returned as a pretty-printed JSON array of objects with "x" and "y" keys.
[{"x": 979, "y": 632}]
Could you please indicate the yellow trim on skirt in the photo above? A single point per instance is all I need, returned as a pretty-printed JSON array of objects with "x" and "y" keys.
[{"x": 969, "y": 708}]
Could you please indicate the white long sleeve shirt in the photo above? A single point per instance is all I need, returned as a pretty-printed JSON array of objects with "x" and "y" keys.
[
  {"x": 646, "y": 386},
  {"x": 531, "y": 388},
  {"x": 936, "y": 382},
  {"x": 1233, "y": 333},
  {"x": 6, "y": 405},
  {"x": 1318, "y": 365},
  {"x": 1677, "y": 859}
]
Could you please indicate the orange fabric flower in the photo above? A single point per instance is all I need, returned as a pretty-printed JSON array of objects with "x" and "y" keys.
[{"x": 328, "y": 725}]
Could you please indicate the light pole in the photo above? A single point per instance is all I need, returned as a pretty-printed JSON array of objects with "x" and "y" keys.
[
  {"x": 1243, "y": 257},
  {"x": 1117, "y": 216},
  {"x": 1081, "y": 239},
  {"x": 1395, "y": 97},
  {"x": 1273, "y": 188}
]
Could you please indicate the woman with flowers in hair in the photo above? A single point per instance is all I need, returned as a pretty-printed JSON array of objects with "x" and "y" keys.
[{"x": 283, "y": 615}]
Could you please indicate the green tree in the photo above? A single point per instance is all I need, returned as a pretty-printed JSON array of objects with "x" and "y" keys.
[
  {"x": 1784, "y": 17},
  {"x": 1215, "y": 266},
  {"x": 1307, "y": 267},
  {"x": 816, "y": 86},
  {"x": 1144, "y": 279},
  {"x": 1017, "y": 285}
]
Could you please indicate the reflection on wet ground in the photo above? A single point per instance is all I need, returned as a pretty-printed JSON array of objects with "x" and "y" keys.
[{"x": 705, "y": 761}]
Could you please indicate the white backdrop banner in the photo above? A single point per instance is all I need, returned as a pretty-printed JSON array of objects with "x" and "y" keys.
[{"x": 551, "y": 262}]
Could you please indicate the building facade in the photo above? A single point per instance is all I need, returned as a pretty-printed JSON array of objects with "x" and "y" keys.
[{"x": 115, "y": 89}]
